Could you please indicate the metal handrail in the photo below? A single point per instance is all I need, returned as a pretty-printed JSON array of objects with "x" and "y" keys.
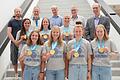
[
  {"x": 107, "y": 10},
  {"x": 3, "y": 35}
]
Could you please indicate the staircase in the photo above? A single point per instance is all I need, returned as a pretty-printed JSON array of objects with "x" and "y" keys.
[
  {"x": 64, "y": 8},
  {"x": 10, "y": 74},
  {"x": 115, "y": 69}
]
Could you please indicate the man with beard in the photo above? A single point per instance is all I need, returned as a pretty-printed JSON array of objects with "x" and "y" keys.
[{"x": 14, "y": 25}]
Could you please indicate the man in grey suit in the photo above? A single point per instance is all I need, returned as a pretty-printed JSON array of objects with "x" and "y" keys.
[{"x": 95, "y": 20}]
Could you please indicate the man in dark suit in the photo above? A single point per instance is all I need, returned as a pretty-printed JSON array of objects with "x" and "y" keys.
[{"x": 95, "y": 20}]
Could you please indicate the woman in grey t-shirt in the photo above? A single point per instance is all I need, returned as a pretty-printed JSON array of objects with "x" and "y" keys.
[
  {"x": 31, "y": 56},
  {"x": 102, "y": 48},
  {"x": 55, "y": 56},
  {"x": 79, "y": 51}
]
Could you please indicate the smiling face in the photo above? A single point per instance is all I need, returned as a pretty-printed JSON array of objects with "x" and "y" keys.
[
  {"x": 100, "y": 33},
  {"x": 36, "y": 12},
  {"x": 34, "y": 37},
  {"x": 66, "y": 20},
  {"x": 74, "y": 11},
  {"x": 55, "y": 33},
  {"x": 78, "y": 31},
  {"x": 96, "y": 9},
  {"x": 17, "y": 12},
  {"x": 27, "y": 24},
  {"x": 45, "y": 23},
  {"x": 54, "y": 10}
]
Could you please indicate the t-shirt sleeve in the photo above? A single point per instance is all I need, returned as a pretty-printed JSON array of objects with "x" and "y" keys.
[
  {"x": 43, "y": 50},
  {"x": 65, "y": 48},
  {"x": 10, "y": 23},
  {"x": 89, "y": 48},
  {"x": 18, "y": 35},
  {"x": 113, "y": 47},
  {"x": 23, "y": 49}
]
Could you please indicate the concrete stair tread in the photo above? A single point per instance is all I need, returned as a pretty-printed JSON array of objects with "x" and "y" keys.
[
  {"x": 115, "y": 68},
  {"x": 115, "y": 77},
  {"x": 12, "y": 78},
  {"x": 11, "y": 69},
  {"x": 115, "y": 61}
]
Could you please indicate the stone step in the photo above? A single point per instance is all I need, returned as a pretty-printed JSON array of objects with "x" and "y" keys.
[
  {"x": 115, "y": 57},
  {"x": 12, "y": 78},
  {"x": 11, "y": 66},
  {"x": 115, "y": 63},
  {"x": 115, "y": 71},
  {"x": 115, "y": 77},
  {"x": 11, "y": 73}
]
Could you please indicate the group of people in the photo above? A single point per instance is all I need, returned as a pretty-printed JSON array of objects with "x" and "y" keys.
[{"x": 61, "y": 48}]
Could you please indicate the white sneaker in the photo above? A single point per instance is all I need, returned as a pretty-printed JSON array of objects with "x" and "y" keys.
[{"x": 16, "y": 76}]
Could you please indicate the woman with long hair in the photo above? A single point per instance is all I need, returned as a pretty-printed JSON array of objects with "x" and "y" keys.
[
  {"x": 31, "y": 56},
  {"x": 55, "y": 56}
]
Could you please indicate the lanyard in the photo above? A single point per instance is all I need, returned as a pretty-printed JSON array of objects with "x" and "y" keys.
[
  {"x": 27, "y": 33},
  {"x": 66, "y": 29},
  {"x": 54, "y": 44},
  {"x": 33, "y": 47},
  {"x": 77, "y": 45},
  {"x": 45, "y": 31},
  {"x": 100, "y": 46}
]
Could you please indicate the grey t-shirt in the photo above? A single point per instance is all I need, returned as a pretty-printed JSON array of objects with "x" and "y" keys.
[
  {"x": 84, "y": 50},
  {"x": 35, "y": 58},
  {"x": 102, "y": 59},
  {"x": 56, "y": 62},
  {"x": 69, "y": 29}
]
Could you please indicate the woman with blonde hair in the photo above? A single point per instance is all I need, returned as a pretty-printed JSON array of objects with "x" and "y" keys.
[
  {"x": 102, "y": 48},
  {"x": 55, "y": 55},
  {"x": 79, "y": 51}
]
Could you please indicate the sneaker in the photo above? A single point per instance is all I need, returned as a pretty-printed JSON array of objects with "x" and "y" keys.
[{"x": 16, "y": 76}]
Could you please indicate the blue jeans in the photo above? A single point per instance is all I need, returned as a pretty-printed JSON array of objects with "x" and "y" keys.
[
  {"x": 101, "y": 73},
  {"x": 55, "y": 74},
  {"x": 31, "y": 73},
  {"x": 77, "y": 72}
]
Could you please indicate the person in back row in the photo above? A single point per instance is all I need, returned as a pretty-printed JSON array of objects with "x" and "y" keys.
[
  {"x": 75, "y": 17},
  {"x": 55, "y": 20},
  {"x": 36, "y": 19},
  {"x": 92, "y": 22},
  {"x": 14, "y": 25}
]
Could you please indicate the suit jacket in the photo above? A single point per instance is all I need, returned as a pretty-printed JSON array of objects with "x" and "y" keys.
[{"x": 90, "y": 26}]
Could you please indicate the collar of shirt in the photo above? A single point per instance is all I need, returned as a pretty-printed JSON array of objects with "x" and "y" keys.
[
  {"x": 55, "y": 16},
  {"x": 36, "y": 19},
  {"x": 97, "y": 17},
  {"x": 74, "y": 17}
]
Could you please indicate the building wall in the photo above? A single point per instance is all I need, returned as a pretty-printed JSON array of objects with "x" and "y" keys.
[
  {"x": 116, "y": 8},
  {"x": 6, "y": 10}
]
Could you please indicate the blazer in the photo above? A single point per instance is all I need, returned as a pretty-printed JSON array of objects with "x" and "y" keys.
[{"x": 90, "y": 26}]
